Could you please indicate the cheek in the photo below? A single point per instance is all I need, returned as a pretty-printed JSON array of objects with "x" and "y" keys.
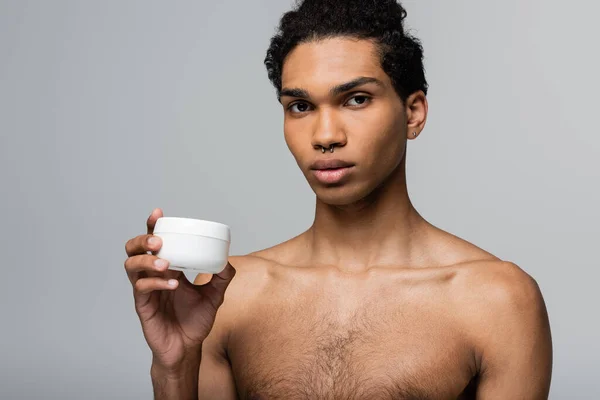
[
  {"x": 293, "y": 141},
  {"x": 385, "y": 155},
  {"x": 289, "y": 138},
  {"x": 387, "y": 139}
]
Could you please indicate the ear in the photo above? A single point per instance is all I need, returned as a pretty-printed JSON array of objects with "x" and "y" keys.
[{"x": 416, "y": 114}]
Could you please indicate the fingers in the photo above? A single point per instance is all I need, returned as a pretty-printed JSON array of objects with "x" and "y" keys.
[
  {"x": 151, "y": 222},
  {"x": 215, "y": 289},
  {"x": 145, "y": 263},
  {"x": 147, "y": 285},
  {"x": 148, "y": 273},
  {"x": 143, "y": 244},
  {"x": 221, "y": 280}
]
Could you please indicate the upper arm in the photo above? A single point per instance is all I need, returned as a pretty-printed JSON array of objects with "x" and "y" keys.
[
  {"x": 516, "y": 346},
  {"x": 216, "y": 378}
]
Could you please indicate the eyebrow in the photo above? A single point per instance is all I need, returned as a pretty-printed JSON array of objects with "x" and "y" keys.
[{"x": 334, "y": 91}]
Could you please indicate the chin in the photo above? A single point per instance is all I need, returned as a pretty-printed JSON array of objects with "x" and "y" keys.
[{"x": 340, "y": 195}]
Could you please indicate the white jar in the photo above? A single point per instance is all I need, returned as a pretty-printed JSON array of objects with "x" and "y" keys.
[{"x": 193, "y": 244}]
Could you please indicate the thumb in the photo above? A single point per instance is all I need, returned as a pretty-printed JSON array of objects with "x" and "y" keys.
[
  {"x": 215, "y": 289},
  {"x": 221, "y": 280}
]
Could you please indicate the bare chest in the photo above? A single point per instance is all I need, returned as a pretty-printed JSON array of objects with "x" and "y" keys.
[{"x": 323, "y": 350}]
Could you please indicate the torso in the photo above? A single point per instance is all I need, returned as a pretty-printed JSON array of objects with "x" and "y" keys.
[{"x": 390, "y": 333}]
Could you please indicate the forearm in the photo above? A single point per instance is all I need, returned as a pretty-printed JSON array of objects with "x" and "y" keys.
[{"x": 180, "y": 384}]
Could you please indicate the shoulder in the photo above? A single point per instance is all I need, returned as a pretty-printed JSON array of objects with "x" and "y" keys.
[
  {"x": 249, "y": 266},
  {"x": 498, "y": 284},
  {"x": 250, "y": 271},
  {"x": 254, "y": 271},
  {"x": 504, "y": 310},
  {"x": 251, "y": 274}
]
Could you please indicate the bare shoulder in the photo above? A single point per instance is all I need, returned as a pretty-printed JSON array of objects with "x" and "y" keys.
[
  {"x": 484, "y": 279},
  {"x": 250, "y": 277},
  {"x": 504, "y": 310},
  {"x": 497, "y": 283},
  {"x": 251, "y": 272}
]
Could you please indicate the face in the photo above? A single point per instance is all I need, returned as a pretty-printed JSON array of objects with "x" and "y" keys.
[{"x": 335, "y": 93}]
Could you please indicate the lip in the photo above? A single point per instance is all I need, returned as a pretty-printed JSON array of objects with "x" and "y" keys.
[
  {"x": 331, "y": 171},
  {"x": 330, "y": 164},
  {"x": 331, "y": 176}
]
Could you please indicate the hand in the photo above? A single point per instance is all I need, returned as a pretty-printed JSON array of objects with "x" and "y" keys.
[{"x": 176, "y": 315}]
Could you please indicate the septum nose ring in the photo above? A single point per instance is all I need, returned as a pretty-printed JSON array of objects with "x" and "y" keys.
[{"x": 330, "y": 149}]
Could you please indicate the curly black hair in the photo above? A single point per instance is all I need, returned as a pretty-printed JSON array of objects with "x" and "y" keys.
[{"x": 380, "y": 20}]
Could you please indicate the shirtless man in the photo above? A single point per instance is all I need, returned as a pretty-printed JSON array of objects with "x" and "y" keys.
[{"x": 372, "y": 301}]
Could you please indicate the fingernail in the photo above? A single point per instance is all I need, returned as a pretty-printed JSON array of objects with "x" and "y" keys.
[
  {"x": 153, "y": 241},
  {"x": 172, "y": 282},
  {"x": 160, "y": 263}
]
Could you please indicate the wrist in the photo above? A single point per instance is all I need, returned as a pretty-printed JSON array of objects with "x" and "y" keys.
[
  {"x": 189, "y": 364},
  {"x": 176, "y": 382}
]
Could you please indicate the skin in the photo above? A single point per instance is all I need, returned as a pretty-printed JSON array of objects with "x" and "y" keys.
[{"x": 372, "y": 301}]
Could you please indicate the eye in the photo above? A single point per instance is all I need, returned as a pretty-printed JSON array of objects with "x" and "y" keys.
[
  {"x": 358, "y": 100},
  {"x": 299, "y": 107}
]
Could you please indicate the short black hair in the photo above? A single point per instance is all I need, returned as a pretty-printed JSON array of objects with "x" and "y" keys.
[{"x": 380, "y": 20}]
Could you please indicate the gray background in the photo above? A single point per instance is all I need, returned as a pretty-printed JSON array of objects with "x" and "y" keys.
[{"x": 111, "y": 108}]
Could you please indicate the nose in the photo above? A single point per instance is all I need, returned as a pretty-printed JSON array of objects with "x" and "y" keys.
[{"x": 328, "y": 130}]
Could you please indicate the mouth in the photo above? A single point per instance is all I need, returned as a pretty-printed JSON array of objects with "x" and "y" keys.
[
  {"x": 322, "y": 165},
  {"x": 331, "y": 176},
  {"x": 330, "y": 172}
]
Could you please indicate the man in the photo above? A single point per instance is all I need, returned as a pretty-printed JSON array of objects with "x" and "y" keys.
[{"x": 371, "y": 302}]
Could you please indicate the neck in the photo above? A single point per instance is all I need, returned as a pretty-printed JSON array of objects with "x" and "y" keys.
[{"x": 383, "y": 229}]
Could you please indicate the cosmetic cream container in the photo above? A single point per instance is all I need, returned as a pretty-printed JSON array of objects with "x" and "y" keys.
[{"x": 193, "y": 244}]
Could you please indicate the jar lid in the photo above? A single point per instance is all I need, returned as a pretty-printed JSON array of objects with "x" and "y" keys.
[{"x": 192, "y": 226}]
